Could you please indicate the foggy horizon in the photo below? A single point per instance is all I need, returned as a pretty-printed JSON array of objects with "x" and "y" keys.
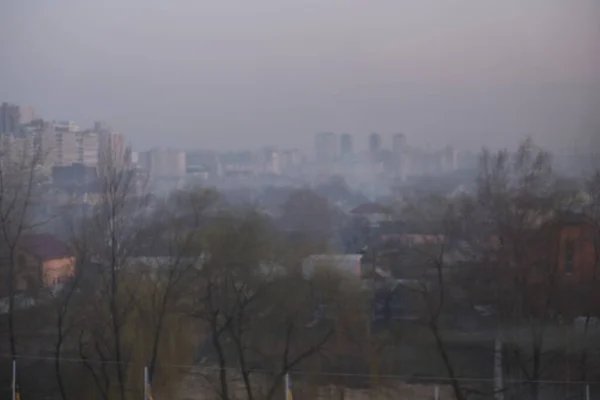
[{"x": 233, "y": 76}]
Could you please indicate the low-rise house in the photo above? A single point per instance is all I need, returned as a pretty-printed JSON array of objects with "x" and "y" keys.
[{"x": 43, "y": 260}]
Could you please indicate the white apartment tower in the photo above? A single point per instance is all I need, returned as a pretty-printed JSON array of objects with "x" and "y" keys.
[
  {"x": 88, "y": 148},
  {"x": 112, "y": 151},
  {"x": 163, "y": 163},
  {"x": 67, "y": 149}
]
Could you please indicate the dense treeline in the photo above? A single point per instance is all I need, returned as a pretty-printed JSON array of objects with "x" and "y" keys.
[{"x": 194, "y": 288}]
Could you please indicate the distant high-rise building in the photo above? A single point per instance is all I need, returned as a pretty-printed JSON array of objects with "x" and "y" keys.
[
  {"x": 290, "y": 158},
  {"x": 346, "y": 145},
  {"x": 101, "y": 127},
  {"x": 112, "y": 151},
  {"x": 401, "y": 156},
  {"x": 44, "y": 141},
  {"x": 200, "y": 161},
  {"x": 12, "y": 116},
  {"x": 67, "y": 148},
  {"x": 135, "y": 157},
  {"x": 66, "y": 126},
  {"x": 399, "y": 143},
  {"x": 88, "y": 148},
  {"x": 163, "y": 163},
  {"x": 375, "y": 143},
  {"x": 449, "y": 159},
  {"x": 272, "y": 161},
  {"x": 16, "y": 150},
  {"x": 326, "y": 148}
]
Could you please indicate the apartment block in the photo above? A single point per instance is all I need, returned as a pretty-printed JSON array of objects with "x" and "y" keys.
[
  {"x": 12, "y": 116},
  {"x": 67, "y": 148},
  {"x": 112, "y": 151},
  {"x": 88, "y": 148},
  {"x": 163, "y": 163},
  {"x": 326, "y": 148}
]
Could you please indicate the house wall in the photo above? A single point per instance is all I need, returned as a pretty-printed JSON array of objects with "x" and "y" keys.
[
  {"x": 56, "y": 270},
  {"x": 584, "y": 254},
  {"x": 50, "y": 272},
  {"x": 550, "y": 283}
]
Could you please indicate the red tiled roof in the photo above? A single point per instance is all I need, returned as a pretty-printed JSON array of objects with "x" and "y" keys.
[{"x": 44, "y": 247}]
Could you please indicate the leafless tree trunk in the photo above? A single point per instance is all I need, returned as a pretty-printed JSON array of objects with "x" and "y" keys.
[
  {"x": 185, "y": 252},
  {"x": 63, "y": 328},
  {"x": 116, "y": 225},
  {"x": 19, "y": 190},
  {"x": 435, "y": 287},
  {"x": 517, "y": 196},
  {"x": 248, "y": 303},
  {"x": 592, "y": 211}
]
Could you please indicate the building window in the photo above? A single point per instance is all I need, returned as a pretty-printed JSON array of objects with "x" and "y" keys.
[{"x": 569, "y": 256}]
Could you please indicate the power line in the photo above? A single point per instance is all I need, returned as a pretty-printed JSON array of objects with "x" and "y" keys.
[{"x": 304, "y": 372}]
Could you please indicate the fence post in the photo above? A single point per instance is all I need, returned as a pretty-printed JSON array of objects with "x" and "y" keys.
[
  {"x": 145, "y": 383},
  {"x": 587, "y": 392},
  {"x": 498, "y": 376},
  {"x": 436, "y": 392}
]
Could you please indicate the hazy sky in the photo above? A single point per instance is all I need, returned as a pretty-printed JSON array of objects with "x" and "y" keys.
[{"x": 220, "y": 73}]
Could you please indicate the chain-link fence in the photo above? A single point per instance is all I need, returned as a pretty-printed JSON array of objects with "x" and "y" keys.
[{"x": 37, "y": 380}]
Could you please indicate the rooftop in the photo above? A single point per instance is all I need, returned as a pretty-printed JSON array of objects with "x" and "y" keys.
[{"x": 45, "y": 247}]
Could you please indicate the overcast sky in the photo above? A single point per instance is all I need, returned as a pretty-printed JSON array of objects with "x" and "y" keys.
[{"x": 220, "y": 73}]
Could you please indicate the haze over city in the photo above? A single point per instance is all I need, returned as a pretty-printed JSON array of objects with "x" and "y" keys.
[
  {"x": 233, "y": 75},
  {"x": 300, "y": 200}
]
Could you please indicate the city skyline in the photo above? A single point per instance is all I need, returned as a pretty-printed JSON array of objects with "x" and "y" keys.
[{"x": 451, "y": 72}]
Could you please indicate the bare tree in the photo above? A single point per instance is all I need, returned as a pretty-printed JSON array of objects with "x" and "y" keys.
[
  {"x": 518, "y": 201},
  {"x": 252, "y": 306},
  {"x": 20, "y": 186},
  {"x": 308, "y": 218},
  {"x": 175, "y": 244},
  {"x": 587, "y": 293},
  {"x": 115, "y": 224},
  {"x": 62, "y": 297},
  {"x": 435, "y": 279}
]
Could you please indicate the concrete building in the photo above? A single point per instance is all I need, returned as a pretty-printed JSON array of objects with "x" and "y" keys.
[
  {"x": 272, "y": 161},
  {"x": 202, "y": 161},
  {"x": 67, "y": 143},
  {"x": 346, "y": 145},
  {"x": 66, "y": 126},
  {"x": 163, "y": 163},
  {"x": 401, "y": 155},
  {"x": 449, "y": 159},
  {"x": 67, "y": 148},
  {"x": 12, "y": 116},
  {"x": 291, "y": 161},
  {"x": 43, "y": 135},
  {"x": 135, "y": 157},
  {"x": 101, "y": 127},
  {"x": 112, "y": 151},
  {"x": 88, "y": 148},
  {"x": 375, "y": 143},
  {"x": 399, "y": 143},
  {"x": 326, "y": 148},
  {"x": 16, "y": 151}
]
